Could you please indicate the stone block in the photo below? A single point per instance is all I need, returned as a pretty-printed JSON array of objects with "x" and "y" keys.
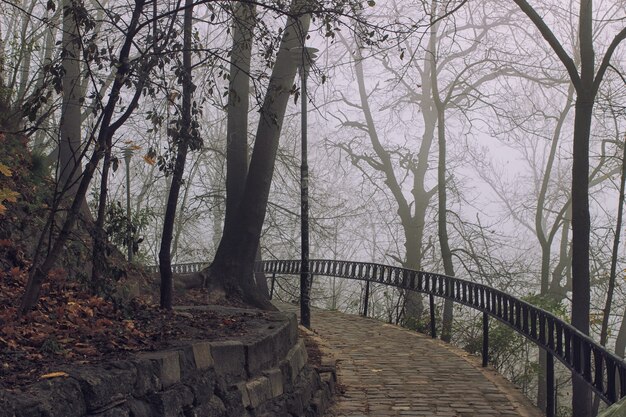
[
  {"x": 294, "y": 404},
  {"x": 194, "y": 356},
  {"x": 284, "y": 332},
  {"x": 202, "y": 385},
  {"x": 285, "y": 371},
  {"x": 296, "y": 358},
  {"x": 232, "y": 397},
  {"x": 139, "y": 408},
  {"x": 245, "y": 398},
  {"x": 202, "y": 355},
  {"x": 292, "y": 329},
  {"x": 212, "y": 408},
  {"x": 303, "y": 352},
  {"x": 320, "y": 402},
  {"x": 171, "y": 402},
  {"x": 50, "y": 398},
  {"x": 260, "y": 355},
  {"x": 167, "y": 366},
  {"x": 275, "y": 377},
  {"x": 229, "y": 360},
  {"x": 259, "y": 391},
  {"x": 274, "y": 408},
  {"x": 101, "y": 386},
  {"x": 148, "y": 377},
  {"x": 63, "y": 398},
  {"x": 306, "y": 383}
]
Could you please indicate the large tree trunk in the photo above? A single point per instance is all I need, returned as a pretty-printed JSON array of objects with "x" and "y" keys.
[
  {"x": 69, "y": 168},
  {"x": 69, "y": 126},
  {"x": 581, "y": 224},
  {"x": 182, "y": 143},
  {"x": 413, "y": 306},
  {"x": 232, "y": 267},
  {"x": 581, "y": 221},
  {"x": 238, "y": 99}
]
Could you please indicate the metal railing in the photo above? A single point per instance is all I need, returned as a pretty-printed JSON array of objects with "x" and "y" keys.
[
  {"x": 601, "y": 369},
  {"x": 186, "y": 268}
]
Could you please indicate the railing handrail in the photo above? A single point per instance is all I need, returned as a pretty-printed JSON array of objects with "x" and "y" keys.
[
  {"x": 597, "y": 366},
  {"x": 182, "y": 268}
]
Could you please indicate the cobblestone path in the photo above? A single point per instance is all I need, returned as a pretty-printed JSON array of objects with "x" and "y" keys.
[{"x": 389, "y": 371}]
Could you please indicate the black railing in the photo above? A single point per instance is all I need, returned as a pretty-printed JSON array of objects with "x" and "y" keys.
[
  {"x": 602, "y": 370},
  {"x": 186, "y": 268}
]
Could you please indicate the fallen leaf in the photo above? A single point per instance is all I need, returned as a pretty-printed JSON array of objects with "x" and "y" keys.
[
  {"x": 86, "y": 350},
  {"x": 54, "y": 375},
  {"x": 9, "y": 195},
  {"x": 5, "y": 170}
]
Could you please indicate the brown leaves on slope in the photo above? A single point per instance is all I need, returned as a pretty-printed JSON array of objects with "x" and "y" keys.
[
  {"x": 71, "y": 326},
  {"x": 68, "y": 324}
]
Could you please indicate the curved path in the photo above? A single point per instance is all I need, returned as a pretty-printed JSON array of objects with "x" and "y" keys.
[{"x": 386, "y": 370}]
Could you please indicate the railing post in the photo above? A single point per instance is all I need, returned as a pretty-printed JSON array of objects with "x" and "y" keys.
[
  {"x": 272, "y": 286},
  {"x": 366, "y": 299},
  {"x": 485, "y": 339},
  {"x": 610, "y": 376},
  {"x": 305, "y": 300},
  {"x": 433, "y": 328},
  {"x": 550, "y": 406}
]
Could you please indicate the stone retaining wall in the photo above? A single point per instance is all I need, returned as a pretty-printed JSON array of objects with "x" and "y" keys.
[{"x": 266, "y": 376}]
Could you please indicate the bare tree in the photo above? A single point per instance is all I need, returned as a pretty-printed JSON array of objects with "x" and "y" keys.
[
  {"x": 184, "y": 137},
  {"x": 437, "y": 79},
  {"x": 586, "y": 83}
]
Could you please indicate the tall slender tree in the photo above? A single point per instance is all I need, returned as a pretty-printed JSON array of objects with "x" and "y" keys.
[
  {"x": 184, "y": 137},
  {"x": 586, "y": 83}
]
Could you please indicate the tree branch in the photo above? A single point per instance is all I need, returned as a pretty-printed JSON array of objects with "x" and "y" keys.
[{"x": 550, "y": 37}]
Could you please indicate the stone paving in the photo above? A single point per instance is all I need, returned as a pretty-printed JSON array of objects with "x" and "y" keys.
[{"x": 389, "y": 371}]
